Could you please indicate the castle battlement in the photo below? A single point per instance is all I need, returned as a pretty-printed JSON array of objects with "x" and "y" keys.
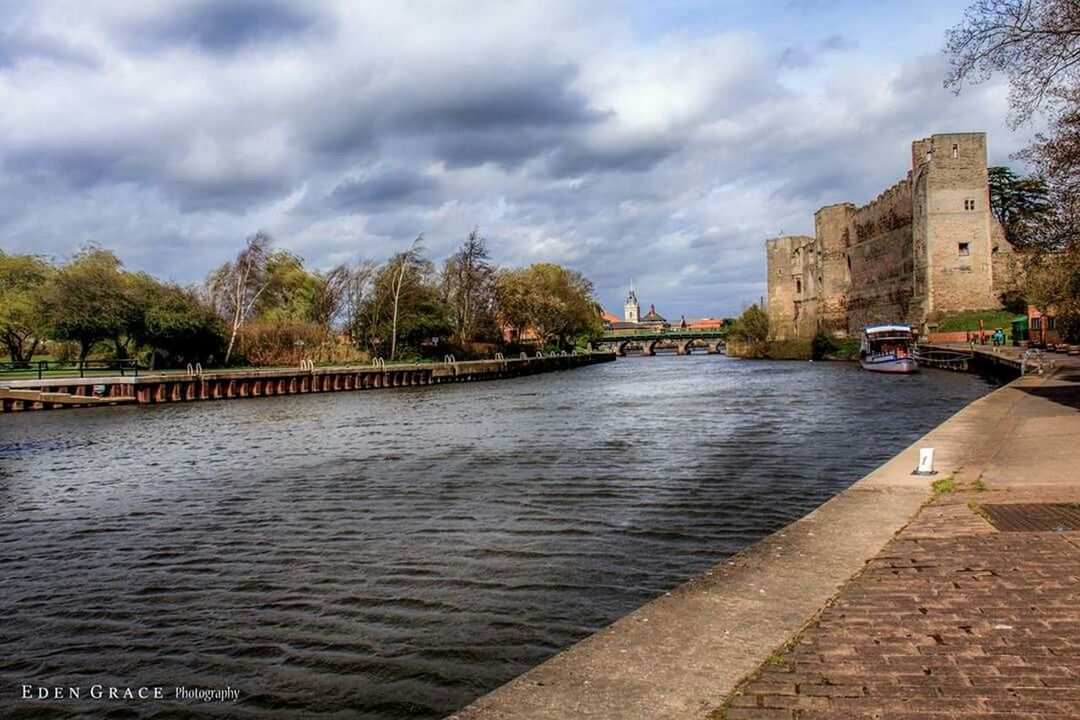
[{"x": 921, "y": 248}]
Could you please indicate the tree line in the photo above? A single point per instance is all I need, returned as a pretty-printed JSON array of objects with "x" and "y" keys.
[
  {"x": 266, "y": 307},
  {"x": 1035, "y": 44}
]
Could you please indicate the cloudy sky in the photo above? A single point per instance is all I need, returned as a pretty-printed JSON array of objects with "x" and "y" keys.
[{"x": 659, "y": 141}]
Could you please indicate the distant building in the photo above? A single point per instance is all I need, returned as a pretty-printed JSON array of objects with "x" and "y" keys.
[
  {"x": 1042, "y": 327},
  {"x": 654, "y": 320},
  {"x": 705, "y": 323},
  {"x": 631, "y": 309}
]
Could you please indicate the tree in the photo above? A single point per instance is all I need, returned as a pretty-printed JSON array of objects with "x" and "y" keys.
[
  {"x": 1020, "y": 204},
  {"x": 174, "y": 325},
  {"x": 751, "y": 326},
  {"x": 554, "y": 302},
  {"x": 469, "y": 288},
  {"x": 1036, "y": 43},
  {"x": 357, "y": 295},
  {"x": 89, "y": 301},
  {"x": 402, "y": 264},
  {"x": 330, "y": 296},
  {"x": 236, "y": 286},
  {"x": 22, "y": 323},
  {"x": 512, "y": 300},
  {"x": 403, "y": 309}
]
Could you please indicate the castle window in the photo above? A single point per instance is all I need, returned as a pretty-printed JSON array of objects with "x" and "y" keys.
[
  {"x": 965, "y": 249},
  {"x": 798, "y": 285},
  {"x": 955, "y": 151},
  {"x": 969, "y": 204}
]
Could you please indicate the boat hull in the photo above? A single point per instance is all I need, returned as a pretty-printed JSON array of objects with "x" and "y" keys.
[{"x": 890, "y": 365}]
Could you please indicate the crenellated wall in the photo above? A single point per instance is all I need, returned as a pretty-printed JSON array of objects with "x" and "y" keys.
[{"x": 923, "y": 248}]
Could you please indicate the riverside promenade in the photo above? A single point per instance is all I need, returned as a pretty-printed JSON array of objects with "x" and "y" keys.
[{"x": 885, "y": 602}]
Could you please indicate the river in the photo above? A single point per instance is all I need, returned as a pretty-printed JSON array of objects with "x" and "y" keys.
[{"x": 395, "y": 554}]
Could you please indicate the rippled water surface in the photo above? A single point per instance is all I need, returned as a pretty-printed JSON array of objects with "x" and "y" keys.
[{"x": 395, "y": 554}]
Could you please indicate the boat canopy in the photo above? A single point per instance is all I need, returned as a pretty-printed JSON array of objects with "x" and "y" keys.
[{"x": 874, "y": 329}]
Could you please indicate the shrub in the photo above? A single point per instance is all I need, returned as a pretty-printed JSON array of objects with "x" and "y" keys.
[
  {"x": 263, "y": 342},
  {"x": 822, "y": 346}
]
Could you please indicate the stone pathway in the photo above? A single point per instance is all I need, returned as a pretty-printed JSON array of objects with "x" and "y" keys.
[{"x": 954, "y": 617}]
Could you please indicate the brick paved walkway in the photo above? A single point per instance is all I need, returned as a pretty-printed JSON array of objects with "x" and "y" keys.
[{"x": 953, "y": 618}]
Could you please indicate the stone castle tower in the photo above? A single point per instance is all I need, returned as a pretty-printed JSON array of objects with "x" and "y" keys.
[
  {"x": 632, "y": 309},
  {"x": 926, "y": 247}
]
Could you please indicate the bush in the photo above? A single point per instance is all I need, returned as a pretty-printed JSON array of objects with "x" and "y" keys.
[
  {"x": 789, "y": 350},
  {"x": 822, "y": 346},
  {"x": 264, "y": 342},
  {"x": 1014, "y": 302}
]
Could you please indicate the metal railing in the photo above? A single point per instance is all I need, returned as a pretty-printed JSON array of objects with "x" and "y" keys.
[{"x": 43, "y": 367}]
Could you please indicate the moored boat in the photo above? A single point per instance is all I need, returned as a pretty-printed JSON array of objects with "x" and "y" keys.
[{"x": 888, "y": 348}]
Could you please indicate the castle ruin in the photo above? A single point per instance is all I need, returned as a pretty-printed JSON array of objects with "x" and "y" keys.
[{"x": 926, "y": 247}]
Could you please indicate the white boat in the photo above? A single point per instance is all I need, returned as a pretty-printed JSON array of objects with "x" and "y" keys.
[{"x": 888, "y": 348}]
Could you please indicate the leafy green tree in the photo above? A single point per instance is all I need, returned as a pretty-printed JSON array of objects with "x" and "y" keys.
[
  {"x": 174, "y": 325},
  {"x": 404, "y": 311},
  {"x": 22, "y": 323},
  {"x": 554, "y": 302},
  {"x": 290, "y": 289},
  {"x": 89, "y": 301},
  {"x": 513, "y": 300},
  {"x": 751, "y": 326}
]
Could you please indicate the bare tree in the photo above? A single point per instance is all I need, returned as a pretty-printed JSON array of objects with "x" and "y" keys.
[
  {"x": 330, "y": 295},
  {"x": 235, "y": 287},
  {"x": 1035, "y": 43},
  {"x": 357, "y": 291},
  {"x": 469, "y": 286},
  {"x": 403, "y": 260}
]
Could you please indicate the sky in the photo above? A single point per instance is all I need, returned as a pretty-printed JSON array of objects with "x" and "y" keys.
[{"x": 658, "y": 143}]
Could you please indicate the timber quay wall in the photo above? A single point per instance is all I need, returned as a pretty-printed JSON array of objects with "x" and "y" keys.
[{"x": 51, "y": 393}]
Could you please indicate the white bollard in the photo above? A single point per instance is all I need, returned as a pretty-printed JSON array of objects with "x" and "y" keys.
[{"x": 926, "y": 462}]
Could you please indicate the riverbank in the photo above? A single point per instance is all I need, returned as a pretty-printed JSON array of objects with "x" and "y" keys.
[
  {"x": 683, "y": 655},
  {"x": 54, "y": 393}
]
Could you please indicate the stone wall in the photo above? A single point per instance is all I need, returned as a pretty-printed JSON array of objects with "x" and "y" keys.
[{"x": 924, "y": 247}]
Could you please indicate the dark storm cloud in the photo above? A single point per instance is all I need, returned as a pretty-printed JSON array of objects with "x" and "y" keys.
[
  {"x": 522, "y": 96},
  {"x": 75, "y": 166},
  {"x": 381, "y": 189},
  {"x": 469, "y": 116},
  {"x": 226, "y": 26},
  {"x": 574, "y": 159},
  {"x": 507, "y": 148},
  {"x": 232, "y": 193},
  {"x": 15, "y": 47}
]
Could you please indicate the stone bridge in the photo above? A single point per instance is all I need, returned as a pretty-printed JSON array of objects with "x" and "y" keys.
[{"x": 684, "y": 340}]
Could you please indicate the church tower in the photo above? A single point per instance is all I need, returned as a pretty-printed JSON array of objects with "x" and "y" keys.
[{"x": 632, "y": 310}]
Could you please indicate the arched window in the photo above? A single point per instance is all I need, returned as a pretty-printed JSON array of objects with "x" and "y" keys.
[{"x": 955, "y": 151}]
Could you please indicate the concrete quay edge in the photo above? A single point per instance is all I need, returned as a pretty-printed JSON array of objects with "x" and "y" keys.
[{"x": 682, "y": 654}]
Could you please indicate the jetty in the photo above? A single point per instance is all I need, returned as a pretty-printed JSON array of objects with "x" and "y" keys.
[{"x": 149, "y": 389}]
